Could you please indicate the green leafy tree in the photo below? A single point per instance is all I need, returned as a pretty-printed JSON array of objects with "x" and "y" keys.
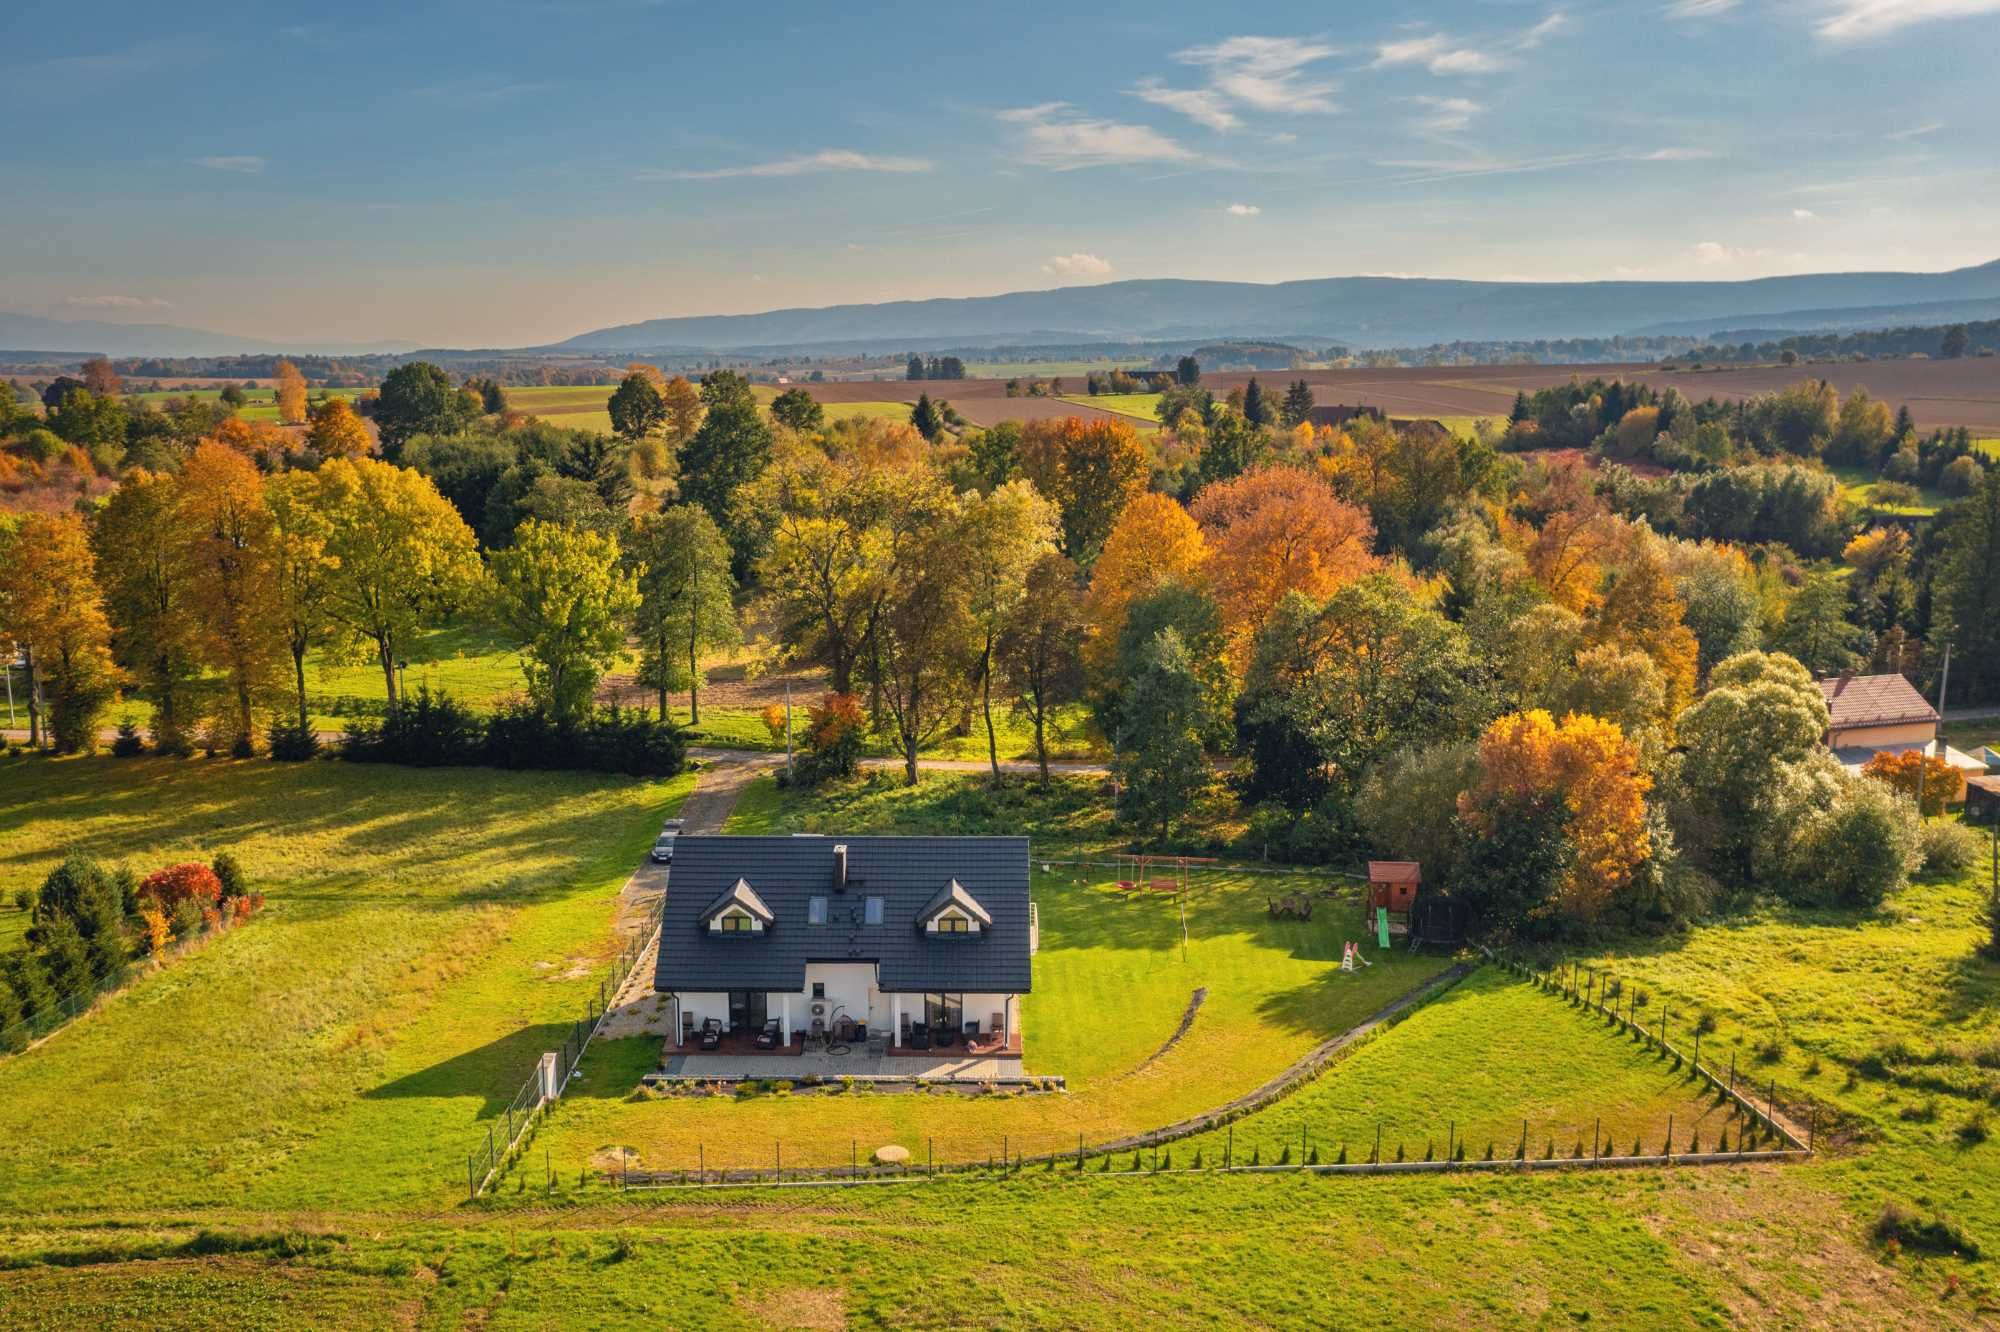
[
  {"x": 1954, "y": 342},
  {"x": 418, "y": 398},
  {"x": 1334, "y": 687},
  {"x": 402, "y": 559},
  {"x": 1040, "y": 649},
  {"x": 1004, "y": 534},
  {"x": 303, "y": 570},
  {"x": 89, "y": 419},
  {"x": 1162, "y": 762},
  {"x": 83, "y": 893},
  {"x": 1187, "y": 372},
  {"x": 926, "y": 639},
  {"x": 731, "y": 448},
  {"x": 1816, "y": 629},
  {"x": 1966, "y": 590},
  {"x": 686, "y": 600},
  {"x": 566, "y": 597},
  {"x": 145, "y": 575},
  {"x": 638, "y": 408},
  {"x": 1762, "y": 717},
  {"x": 798, "y": 411}
]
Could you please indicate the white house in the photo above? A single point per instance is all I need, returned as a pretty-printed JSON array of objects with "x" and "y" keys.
[{"x": 925, "y": 942}]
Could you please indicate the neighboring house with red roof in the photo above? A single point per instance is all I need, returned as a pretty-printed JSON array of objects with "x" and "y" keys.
[{"x": 1884, "y": 714}]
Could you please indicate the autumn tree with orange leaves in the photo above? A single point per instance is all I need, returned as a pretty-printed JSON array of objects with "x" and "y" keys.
[
  {"x": 1155, "y": 542},
  {"x": 1275, "y": 530},
  {"x": 1915, "y": 775},
  {"x": 291, "y": 392},
  {"x": 338, "y": 433},
  {"x": 1577, "y": 780},
  {"x": 233, "y": 565},
  {"x": 1642, "y": 611},
  {"x": 52, "y": 611}
]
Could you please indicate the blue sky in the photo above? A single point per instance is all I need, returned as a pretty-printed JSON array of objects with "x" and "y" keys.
[{"x": 515, "y": 171}]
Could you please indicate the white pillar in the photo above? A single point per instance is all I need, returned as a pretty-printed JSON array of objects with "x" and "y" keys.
[
  {"x": 1006, "y": 1022},
  {"x": 785, "y": 1018},
  {"x": 896, "y": 1018}
]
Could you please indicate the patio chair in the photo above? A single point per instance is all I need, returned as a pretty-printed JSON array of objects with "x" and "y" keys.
[
  {"x": 971, "y": 1030},
  {"x": 711, "y": 1034},
  {"x": 687, "y": 1027},
  {"x": 767, "y": 1039},
  {"x": 920, "y": 1036},
  {"x": 946, "y": 1036}
]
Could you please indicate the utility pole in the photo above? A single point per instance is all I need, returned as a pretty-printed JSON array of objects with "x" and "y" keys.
[{"x": 788, "y": 731}]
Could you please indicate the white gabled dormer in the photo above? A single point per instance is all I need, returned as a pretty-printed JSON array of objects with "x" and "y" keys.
[
  {"x": 954, "y": 911},
  {"x": 738, "y": 911}
]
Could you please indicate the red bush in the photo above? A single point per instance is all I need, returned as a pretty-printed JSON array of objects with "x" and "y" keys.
[{"x": 191, "y": 882}]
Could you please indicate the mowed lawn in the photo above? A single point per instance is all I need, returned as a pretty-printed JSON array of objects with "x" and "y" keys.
[
  {"x": 428, "y": 934},
  {"x": 1067, "y": 734},
  {"x": 1112, "y": 980},
  {"x": 1144, "y": 406},
  {"x": 1489, "y": 1057}
]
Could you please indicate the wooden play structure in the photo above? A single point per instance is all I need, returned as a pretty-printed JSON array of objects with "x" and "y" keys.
[
  {"x": 1392, "y": 888},
  {"x": 1135, "y": 872}
]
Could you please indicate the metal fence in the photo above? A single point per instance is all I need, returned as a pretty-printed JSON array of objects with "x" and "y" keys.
[
  {"x": 503, "y": 1136},
  {"x": 18, "y": 1036}
]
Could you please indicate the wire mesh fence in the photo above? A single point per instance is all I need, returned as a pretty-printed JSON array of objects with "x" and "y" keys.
[
  {"x": 503, "y": 1133},
  {"x": 58, "y": 1013}
]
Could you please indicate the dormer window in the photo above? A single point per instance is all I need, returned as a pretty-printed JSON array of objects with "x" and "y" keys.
[
  {"x": 738, "y": 911},
  {"x": 954, "y": 911}
]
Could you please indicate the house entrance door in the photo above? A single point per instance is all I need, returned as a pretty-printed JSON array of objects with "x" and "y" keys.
[{"x": 748, "y": 1010}]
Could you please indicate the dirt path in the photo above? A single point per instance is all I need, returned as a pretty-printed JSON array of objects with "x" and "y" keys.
[{"x": 637, "y": 1010}]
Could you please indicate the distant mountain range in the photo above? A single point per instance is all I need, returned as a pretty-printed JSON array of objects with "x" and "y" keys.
[
  {"x": 102, "y": 338},
  {"x": 1360, "y": 312}
]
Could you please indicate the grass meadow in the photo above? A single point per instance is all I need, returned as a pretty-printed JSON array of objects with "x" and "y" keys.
[
  {"x": 427, "y": 934},
  {"x": 269, "y": 1132}
]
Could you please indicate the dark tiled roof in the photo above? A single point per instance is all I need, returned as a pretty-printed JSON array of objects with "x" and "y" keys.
[
  {"x": 1874, "y": 700},
  {"x": 908, "y": 873}
]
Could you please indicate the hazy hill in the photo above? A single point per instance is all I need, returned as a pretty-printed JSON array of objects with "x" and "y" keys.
[
  {"x": 1359, "y": 311},
  {"x": 104, "y": 338}
]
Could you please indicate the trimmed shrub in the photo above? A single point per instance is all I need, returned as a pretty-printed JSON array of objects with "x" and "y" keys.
[{"x": 229, "y": 874}]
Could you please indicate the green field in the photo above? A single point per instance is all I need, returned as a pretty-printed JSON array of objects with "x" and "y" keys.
[
  {"x": 260, "y": 404},
  {"x": 1144, "y": 406},
  {"x": 427, "y": 935},
  {"x": 270, "y": 1130},
  {"x": 1857, "y": 485}
]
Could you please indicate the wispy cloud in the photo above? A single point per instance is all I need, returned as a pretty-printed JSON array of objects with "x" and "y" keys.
[
  {"x": 1243, "y": 210},
  {"x": 1915, "y": 131},
  {"x": 1861, "y": 20},
  {"x": 1446, "y": 115},
  {"x": 246, "y": 164},
  {"x": 1077, "y": 265},
  {"x": 1265, "y": 73},
  {"x": 1204, "y": 106},
  {"x": 827, "y": 159},
  {"x": 1054, "y": 135},
  {"x": 1444, "y": 55},
  {"x": 117, "y": 303},
  {"x": 1804, "y": 215},
  {"x": 1679, "y": 155},
  {"x": 1699, "y": 9}
]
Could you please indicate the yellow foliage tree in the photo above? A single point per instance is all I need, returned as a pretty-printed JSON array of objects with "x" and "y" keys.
[
  {"x": 1642, "y": 611},
  {"x": 233, "y": 573},
  {"x": 1091, "y": 469},
  {"x": 291, "y": 389},
  {"x": 338, "y": 432},
  {"x": 1154, "y": 542},
  {"x": 1592, "y": 768}
]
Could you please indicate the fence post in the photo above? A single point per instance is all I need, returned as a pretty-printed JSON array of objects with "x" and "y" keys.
[
  {"x": 1771, "y": 1106},
  {"x": 1697, "y": 1050},
  {"x": 853, "y": 1158},
  {"x": 1670, "y": 1139},
  {"x": 1812, "y": 1129},
  {"x": 930, "y": 1155},
  {"x": 1596, "y": 1130},
  {"x": 701, "y": 1163},
  {"x": 1229, "y": 1149},
  {"x": 1375, "y": 1158},
  {"x": 471, "y": 1188},
  {"x": 1079, "y": 1151},
  {"x": 781, "y": 1160},
  {"x": 1732, "y": 1072},
  {"x": 1450, "y": 1136}
]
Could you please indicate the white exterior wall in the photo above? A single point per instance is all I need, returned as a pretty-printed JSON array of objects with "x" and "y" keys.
[
  {"x": 706, "y": 1006},
  {"x": 980, "y": 1008},
  {"x": 850, "y": 989}
]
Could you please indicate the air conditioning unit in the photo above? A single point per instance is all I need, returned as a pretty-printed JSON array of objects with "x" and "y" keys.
[{"x": 819, "y": 1010}]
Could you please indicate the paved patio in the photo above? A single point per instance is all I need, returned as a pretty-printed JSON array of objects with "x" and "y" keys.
[{"x": 855, "y": 1065}]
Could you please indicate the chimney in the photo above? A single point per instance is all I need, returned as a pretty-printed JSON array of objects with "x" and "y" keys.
[{"x": 840, "y": 867}]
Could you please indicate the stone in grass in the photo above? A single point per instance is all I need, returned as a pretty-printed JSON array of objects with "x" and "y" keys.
[{"x": 892, "y": 1155}]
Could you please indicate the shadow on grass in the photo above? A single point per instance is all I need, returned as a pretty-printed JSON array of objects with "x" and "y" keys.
[{"x": 495, "y": 1071}]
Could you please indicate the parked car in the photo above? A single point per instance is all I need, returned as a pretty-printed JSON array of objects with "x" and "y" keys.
[{"x": 663, "y": 845}]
